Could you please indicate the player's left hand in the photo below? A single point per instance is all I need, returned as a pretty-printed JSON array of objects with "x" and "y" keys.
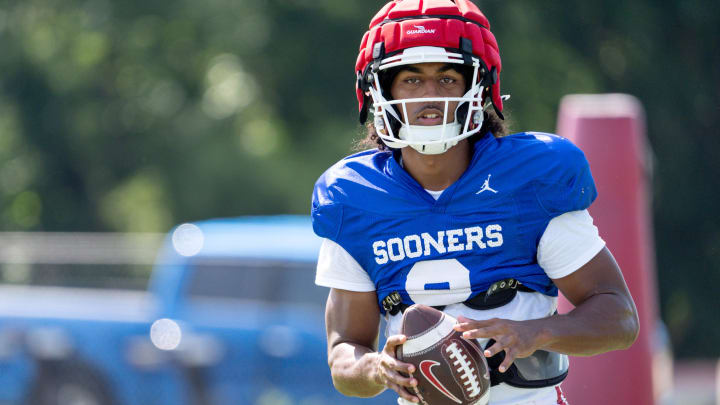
[{"x": 518, "y": 338}]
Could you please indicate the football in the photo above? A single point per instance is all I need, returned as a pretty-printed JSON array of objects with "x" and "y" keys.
[{"x": 450, "y": 369}]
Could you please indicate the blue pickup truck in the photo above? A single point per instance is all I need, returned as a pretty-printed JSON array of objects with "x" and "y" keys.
[{"x": 231, "y": 316}]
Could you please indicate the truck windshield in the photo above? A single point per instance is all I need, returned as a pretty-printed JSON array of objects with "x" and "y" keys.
[{"x": 258, "y": 280}]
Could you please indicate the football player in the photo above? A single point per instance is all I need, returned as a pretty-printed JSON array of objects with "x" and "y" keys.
[{"x": 446, "y": 211}]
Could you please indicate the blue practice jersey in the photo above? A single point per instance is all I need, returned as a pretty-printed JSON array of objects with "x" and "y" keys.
[{"x": 484, "y": 228}]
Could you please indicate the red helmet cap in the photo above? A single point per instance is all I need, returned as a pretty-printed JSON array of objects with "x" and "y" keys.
[{"x": 452, "y": 24}]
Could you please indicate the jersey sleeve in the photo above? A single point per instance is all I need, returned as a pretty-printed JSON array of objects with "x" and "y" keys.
[
  {"x": 567, "y": 184},
  {"x": 568, "y": 243},
  {"x": 338, "y": 269},
  {"x": 325, "y": 212}
]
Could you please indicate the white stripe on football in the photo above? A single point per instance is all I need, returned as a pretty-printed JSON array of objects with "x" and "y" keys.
[{"x": 431, "y": 337}]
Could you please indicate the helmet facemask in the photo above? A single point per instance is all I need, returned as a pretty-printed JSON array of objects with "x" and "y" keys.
[{"x": 466, "y": 119}]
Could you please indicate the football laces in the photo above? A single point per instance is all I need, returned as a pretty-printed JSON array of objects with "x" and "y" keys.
[{"x": 465, "y": 369}]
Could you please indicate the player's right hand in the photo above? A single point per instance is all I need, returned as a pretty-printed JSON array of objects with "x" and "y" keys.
[{"x": 389, "y": 369}]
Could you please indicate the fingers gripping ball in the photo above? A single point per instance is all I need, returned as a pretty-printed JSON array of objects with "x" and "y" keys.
[{"x": 451, "y": 370}]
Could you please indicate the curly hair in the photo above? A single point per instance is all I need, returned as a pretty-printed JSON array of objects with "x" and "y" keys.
[{"x": 492, "y": 123}]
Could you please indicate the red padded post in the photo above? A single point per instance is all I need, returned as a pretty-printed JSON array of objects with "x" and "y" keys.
[{"x": 610, "y": 129}]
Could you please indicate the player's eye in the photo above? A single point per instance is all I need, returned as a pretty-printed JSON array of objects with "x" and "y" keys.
[
  {"x": 412, "y": 80},
  {"x": 447, "y": 80}
]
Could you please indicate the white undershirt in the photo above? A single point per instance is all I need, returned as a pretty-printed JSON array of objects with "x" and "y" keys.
[
  {"x": 569, "y": 242},
  {"x": 435, "y": 194}
]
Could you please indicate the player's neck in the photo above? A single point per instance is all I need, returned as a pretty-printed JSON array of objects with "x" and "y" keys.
[{"x": 437, "y": 172}]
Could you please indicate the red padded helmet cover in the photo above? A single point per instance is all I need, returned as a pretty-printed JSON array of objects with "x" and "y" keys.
[{"x": 442, "y": 31}]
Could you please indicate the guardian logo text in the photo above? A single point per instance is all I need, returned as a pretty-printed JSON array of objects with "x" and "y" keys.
[{"x": 419, "y": 29}]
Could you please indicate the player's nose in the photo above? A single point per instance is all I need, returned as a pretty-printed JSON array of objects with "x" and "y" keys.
[{"x": 431, "y": 88}]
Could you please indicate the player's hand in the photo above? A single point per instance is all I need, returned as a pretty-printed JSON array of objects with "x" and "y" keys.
[
  {"x": 517, "y": 338},
  {"x": 388, "y": 369}
]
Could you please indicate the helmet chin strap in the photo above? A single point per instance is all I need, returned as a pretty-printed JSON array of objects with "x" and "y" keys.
[
  {"x": 419, "y": 135},
  {"x": 425, "y": 133}
]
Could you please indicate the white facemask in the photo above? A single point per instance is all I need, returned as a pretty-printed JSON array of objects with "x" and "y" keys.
[{"x": 427, "y": 139}]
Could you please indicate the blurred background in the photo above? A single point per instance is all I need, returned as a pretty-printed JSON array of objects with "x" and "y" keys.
[{"x": 134, "y": 116}]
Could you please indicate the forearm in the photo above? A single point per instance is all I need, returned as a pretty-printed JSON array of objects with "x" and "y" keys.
[
  {"x": 354, "y": 370},
  {"x": 602, "y": 323}
]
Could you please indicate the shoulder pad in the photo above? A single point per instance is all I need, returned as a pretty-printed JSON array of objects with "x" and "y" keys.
[
  {"x": 566, "y": 183},
  {"x": 341, "y": 185}
]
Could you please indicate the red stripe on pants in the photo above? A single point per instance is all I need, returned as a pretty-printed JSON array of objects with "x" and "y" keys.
[{"x": 561, "y": 400}]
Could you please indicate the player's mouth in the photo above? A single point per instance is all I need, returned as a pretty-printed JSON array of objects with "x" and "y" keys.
[{"x": 429, "y": 116}]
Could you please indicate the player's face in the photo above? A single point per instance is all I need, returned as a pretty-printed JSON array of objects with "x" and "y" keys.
[{"x": 423, "y": 80}]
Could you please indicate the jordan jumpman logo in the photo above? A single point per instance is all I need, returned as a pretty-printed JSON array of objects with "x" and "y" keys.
[{"x": 486, "y": 186}]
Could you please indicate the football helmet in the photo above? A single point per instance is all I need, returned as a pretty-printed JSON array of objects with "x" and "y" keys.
[{"x": 406, "y": 32}]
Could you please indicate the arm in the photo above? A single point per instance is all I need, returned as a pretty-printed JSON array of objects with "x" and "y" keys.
[
  {"x": 604, "y": 318},
  {"x": 352, "y": 320}
]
